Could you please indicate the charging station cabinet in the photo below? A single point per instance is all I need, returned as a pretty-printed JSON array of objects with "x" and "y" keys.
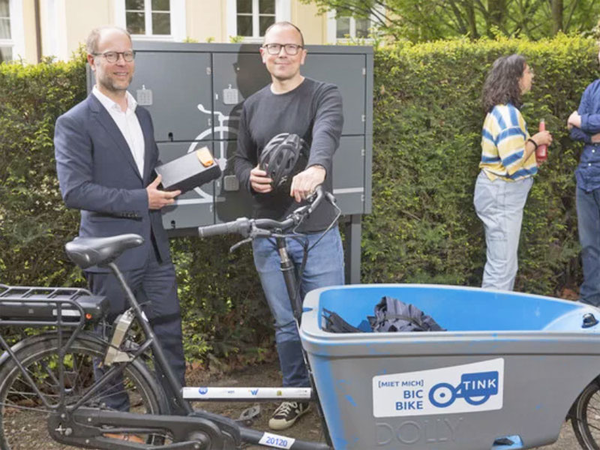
[{"x": 195, "y": 93}]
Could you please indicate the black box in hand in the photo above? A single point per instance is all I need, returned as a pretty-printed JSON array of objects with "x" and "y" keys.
[{"x": 189, "y": 171}]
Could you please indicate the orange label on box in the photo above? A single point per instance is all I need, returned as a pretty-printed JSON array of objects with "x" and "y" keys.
[{"x": 205, "y": 157}]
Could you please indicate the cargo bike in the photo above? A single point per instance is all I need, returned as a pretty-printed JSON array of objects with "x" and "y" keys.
[{"x": 507, "y": 372}]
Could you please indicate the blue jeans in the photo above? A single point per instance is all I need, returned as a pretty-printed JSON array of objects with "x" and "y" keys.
[
  {"x": 324, "y": 267},
  {"x": 499, "y": 204},
  {"x": 588, "y": 221}
]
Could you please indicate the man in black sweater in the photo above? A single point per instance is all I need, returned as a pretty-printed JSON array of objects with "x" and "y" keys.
[{"x": 312, "y": 110}]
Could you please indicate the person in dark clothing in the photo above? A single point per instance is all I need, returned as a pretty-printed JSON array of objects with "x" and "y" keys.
[
  {"x": 105, "y": 158},
  {"x": 312, "y": 110},
  {"x": 585, "y": 126}
]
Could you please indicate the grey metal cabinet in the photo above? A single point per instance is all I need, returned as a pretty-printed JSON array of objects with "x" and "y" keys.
[
  {"x": 195, "y": 93},
  {"x": 349, "y": 174},
  {"x": 181, "y": 93},
  {"x": 348, "y": 73}
]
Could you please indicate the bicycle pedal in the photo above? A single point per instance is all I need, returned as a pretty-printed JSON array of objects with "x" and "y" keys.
[{"x": 249, "y": 415}]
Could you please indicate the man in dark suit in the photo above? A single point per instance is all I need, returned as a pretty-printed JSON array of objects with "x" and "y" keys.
[{"x": 105, "y": 158}]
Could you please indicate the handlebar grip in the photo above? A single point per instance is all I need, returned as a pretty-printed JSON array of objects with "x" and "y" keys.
[{"x": 239, "y": 226}]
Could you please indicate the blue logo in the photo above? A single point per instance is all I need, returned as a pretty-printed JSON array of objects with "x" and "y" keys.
[
  {"x": 475, "y": 388},
  {"x": 254, "y": 391},
  {"x": 203, "y": 390}
]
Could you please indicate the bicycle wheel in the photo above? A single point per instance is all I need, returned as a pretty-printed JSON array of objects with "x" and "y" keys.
[
  {"x": 23, "y": 416},
  {"x": 585, "y": 417}
]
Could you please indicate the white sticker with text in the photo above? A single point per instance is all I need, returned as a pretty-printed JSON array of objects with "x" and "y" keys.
[
  {"x": 449, "y": 390},
  {"x": 276, "y": 441}
]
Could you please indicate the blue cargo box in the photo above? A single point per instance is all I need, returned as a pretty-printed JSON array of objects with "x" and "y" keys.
[{"x": 509, "y": 364}]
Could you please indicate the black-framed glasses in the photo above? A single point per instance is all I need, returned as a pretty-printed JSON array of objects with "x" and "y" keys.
[
  {"x": 113, "y": 57},
  {"x": 275, "y": 49}
]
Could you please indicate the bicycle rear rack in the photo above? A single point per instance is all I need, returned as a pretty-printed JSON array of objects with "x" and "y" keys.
[{"x": 27, "y": 306}]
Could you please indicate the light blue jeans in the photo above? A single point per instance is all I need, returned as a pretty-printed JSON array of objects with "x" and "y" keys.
[
  {"x": 588, "y": 223},
  {"x": 499, "y": 204},
  {"x": 324, "y": 267}
]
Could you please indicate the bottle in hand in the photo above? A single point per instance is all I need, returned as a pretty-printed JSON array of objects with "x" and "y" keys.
[{"x": 541, "y": 152}]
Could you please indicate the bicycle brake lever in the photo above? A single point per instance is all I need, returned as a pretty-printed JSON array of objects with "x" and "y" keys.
[
  {"x": 330, "y": 198},
  {"x": 237, "y": 245}
]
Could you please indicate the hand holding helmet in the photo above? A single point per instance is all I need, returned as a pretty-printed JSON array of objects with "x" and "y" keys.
[{"x": 259, "y": 181}]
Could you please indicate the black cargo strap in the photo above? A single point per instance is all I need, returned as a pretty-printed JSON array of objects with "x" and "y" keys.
[{"x": 335, "y": 324}]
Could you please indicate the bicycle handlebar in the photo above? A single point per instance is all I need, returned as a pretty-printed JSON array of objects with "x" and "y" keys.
[
  {"x": 238, "y": 226},
  {"x": 263, "y": 227}
]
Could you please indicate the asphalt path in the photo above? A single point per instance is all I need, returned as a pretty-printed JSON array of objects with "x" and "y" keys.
[{"x": 566, "y": 441}]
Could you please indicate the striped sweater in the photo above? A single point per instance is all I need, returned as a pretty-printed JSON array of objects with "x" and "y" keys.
[{"x": 503, "y": 141}]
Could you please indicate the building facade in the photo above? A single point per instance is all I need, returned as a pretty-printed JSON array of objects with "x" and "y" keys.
[{"x": 33, "y": 29}]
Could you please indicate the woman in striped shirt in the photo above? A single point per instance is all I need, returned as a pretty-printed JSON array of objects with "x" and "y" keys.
[{"x": 507, "y": 165}]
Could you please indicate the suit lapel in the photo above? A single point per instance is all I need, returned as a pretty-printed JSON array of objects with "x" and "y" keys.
[
  {"x": 107, "y": 122},
  {"x": 148, "y": 144}
]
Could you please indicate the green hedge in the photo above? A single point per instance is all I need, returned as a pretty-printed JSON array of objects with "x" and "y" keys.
[
  {"x": 423, "y": 228},
  {"x": 428, "y": 120},
  {"x": 34, "y": 223}
]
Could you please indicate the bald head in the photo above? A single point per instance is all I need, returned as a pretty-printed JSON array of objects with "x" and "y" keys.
[
  {"x": 279, "y": 25},
  {"x": 97, "y": 34}
]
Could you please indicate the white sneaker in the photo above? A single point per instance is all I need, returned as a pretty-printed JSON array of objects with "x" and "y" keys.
[{"x": 287, "y": 413}]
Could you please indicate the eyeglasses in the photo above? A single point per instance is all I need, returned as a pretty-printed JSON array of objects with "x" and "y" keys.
[
  {"x": 113, "y": 57},
  {"x": 275, "y": 49}
]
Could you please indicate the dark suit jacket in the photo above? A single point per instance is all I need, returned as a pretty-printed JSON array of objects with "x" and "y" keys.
[{"x": 98, "y": 175}]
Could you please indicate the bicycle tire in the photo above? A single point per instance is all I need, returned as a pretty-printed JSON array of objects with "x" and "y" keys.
[
  {"x": 585, "y": 416},
  {"x": 23, "y": 415}
]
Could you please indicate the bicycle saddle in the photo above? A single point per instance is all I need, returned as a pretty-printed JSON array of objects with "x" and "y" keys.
[{"x": 88, "y": 252}]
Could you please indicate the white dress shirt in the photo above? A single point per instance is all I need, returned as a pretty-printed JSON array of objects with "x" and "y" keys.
[{"x": 128, "y": 124}]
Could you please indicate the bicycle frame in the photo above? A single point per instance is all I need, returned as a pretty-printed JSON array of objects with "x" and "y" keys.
[{"x": 196, "y": 429}]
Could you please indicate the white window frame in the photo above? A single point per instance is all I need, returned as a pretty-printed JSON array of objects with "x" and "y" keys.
[
  {"x": 282, "y": 13},
  {"x": 178, "y": 22},
  {"x": 17, "y": 33},
  {"x": 332, "y": 29}
]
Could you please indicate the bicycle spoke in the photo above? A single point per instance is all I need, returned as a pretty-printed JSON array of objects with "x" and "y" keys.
[
  {"x": 595, "y": 427},
  {"x": 12, "y": 406},
  {"x": 23, "y": 417}
]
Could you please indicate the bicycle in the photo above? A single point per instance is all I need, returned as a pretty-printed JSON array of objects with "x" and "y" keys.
[{"x": 51, "y": 374}]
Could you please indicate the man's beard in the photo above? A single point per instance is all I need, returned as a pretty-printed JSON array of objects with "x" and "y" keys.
[{"x": 114, "y": 86}]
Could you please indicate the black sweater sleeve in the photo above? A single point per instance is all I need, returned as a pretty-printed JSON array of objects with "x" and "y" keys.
[
  {"x": 327, "y": 128},
  {"x": 245, "y": 157}
]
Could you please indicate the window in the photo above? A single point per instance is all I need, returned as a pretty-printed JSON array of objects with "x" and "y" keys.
[
  {"x": 351, "y": 28},
  {"x": 345, "y": 28},
  {"x": 148, "y": 17},
  {"x": 254, "y": 17},
  {"x": 160, "y": 20},
  {"x": 251, "y": 18},
  {"x": 6, "y": 42}
]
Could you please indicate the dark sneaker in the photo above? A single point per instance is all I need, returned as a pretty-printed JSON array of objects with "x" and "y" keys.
[{"x": 286, "y": 415}]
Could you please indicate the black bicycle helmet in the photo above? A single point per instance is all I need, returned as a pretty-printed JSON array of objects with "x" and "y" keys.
[{"x": 283, "y": 157}]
